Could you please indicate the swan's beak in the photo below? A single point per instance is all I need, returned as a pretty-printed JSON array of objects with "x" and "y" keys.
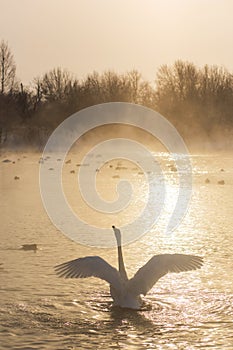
[{"x": 113, "y": 226}]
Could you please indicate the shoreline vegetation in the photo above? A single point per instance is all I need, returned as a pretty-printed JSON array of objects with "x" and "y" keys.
[{"x": 198, "y": 101}]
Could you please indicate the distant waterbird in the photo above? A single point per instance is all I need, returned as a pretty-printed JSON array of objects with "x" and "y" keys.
[
  {"x": 126, "y": 293},
  {"x": 221, "y": 182},
  {"x": 29, "y": 247}
]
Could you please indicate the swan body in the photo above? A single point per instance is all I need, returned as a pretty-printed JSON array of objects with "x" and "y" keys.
[{"x": 125, "y": 292}]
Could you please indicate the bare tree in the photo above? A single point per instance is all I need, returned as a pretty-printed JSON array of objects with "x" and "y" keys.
[
  {"x": 178, "y": 82},
  {"x": 7, "y": 68},
  {"x": 38, "y": 92},
  {"x": 56, "y": 84}
]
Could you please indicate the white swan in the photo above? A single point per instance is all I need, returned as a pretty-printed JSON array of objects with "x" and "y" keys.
[{"x": 126, "y": 292}]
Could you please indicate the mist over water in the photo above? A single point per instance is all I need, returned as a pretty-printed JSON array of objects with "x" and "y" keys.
[
  {"x": 198, "y": 140},
  {"x": 189, "y": 310}
]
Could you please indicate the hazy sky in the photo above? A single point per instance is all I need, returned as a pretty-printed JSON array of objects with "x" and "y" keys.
[{"x": 87, "y": 35}]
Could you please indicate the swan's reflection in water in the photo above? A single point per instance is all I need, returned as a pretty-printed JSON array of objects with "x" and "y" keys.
[{"x": 138, "y": 320}]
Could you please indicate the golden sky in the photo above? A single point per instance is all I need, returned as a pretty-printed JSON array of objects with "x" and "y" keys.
[{"x": 87, "y": 35}]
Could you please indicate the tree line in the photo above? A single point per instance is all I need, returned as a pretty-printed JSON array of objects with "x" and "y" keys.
[{"x": 194, "y": 99}]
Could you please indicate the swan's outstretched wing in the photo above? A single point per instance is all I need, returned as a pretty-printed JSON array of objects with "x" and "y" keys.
[
  {"x": 90, "y": 266},
  {"x": 159, "y": 266}
]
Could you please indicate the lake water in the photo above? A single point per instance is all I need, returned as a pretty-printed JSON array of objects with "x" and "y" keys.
[{"x": 192, "y": 310}]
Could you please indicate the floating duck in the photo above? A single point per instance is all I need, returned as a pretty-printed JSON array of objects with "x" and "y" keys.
[
  {"x": 29, "y": 247},
  {"x": 221, "y": 182}
]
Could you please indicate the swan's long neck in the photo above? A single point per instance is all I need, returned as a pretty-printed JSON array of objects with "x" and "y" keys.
[
  {"x": 121, "y": 264},
  {"x": 120, "y": 255}
]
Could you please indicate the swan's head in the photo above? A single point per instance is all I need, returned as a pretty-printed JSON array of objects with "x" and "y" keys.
[{"x": 117, "y": 234}]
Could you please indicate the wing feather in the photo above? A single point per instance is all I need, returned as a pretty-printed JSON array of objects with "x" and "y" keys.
[
  {"x": 160, "y": 265},
  {"x": 90, "y": 266}
]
